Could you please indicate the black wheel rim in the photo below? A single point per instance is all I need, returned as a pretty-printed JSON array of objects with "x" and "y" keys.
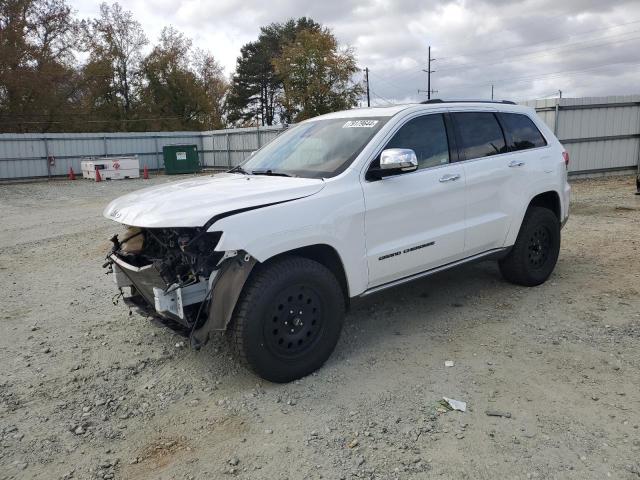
[
  {"x": 539, "y": 246},
  {"x": 295, "y": 322}
]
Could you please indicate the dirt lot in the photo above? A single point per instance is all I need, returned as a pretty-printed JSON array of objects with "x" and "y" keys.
[{"x": 88, "y": 391}]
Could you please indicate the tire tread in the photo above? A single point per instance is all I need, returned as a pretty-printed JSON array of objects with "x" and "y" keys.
[
  {"x": 513, "y": 267},
  {"x": 261, "y": 277}
]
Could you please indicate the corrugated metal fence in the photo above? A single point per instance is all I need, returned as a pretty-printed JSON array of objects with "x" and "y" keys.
[
  {"x": 601, "y": 134},
  {"x": 41, "y": 155}
]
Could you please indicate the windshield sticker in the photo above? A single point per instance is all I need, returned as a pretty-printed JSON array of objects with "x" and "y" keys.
[{"x": 360, "y": 124}]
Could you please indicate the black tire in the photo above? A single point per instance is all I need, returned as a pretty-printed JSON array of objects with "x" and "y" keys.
[
  {"x": 288, "y": 318},
  {"x": 535, "y": 253}
]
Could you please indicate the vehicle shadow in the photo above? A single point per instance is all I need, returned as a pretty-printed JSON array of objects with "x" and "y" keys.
[
  {"x": 419, "y": 308},
  {"x": 435, "y": 304}
]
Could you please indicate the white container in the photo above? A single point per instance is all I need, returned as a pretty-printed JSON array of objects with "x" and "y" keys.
[{"x": 111, "y": 168}]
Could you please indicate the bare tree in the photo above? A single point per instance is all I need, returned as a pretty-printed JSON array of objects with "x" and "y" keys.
[
  {"x": 215, "y": 85},
  {"x": 116, "y": 41}
]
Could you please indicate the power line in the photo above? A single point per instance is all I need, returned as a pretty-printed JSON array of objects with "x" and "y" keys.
[
  {"x": 538, "y": 53},
  {"x": 412, "y": 74},
  {"x": 546, "y": 19},
  {"x": 393, "y": 85},
  {"x": 552, "y": 39},
  {"x": 555, "y": 93},
  {"x": 533, "y": 77},
  {"x": 550, "y": 74},
  {"x": 526, "y": 78},
  {"x": 406, "y": 74},
  {"x": 382, "y": 98}
]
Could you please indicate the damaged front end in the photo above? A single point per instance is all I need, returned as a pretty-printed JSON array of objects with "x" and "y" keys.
[{"x": 176, "y": 273}]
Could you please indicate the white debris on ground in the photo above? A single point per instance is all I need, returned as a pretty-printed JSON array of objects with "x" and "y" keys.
[{"x": 453, "y": 404}]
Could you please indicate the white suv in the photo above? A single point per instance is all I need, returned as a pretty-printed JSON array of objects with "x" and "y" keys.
[{"x": 341, "y": 206}]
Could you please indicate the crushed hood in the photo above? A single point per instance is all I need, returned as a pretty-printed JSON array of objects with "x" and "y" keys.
[{"x": 193, "y": 202}]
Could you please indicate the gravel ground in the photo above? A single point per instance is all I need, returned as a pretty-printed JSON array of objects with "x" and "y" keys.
[{"x": 89, "y": 391}]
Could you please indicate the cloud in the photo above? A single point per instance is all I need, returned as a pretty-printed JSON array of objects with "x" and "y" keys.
[{"x": 527, "y": 49}]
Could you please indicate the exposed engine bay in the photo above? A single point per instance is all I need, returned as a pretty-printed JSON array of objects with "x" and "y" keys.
[
  {"x": 169, "y": 271},
  {"x": 181, "y": 255}
]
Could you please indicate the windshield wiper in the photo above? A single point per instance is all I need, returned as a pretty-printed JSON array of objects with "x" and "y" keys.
[
  {"x": 239, "y": 169},
  {"x": 270, "y": 173}
]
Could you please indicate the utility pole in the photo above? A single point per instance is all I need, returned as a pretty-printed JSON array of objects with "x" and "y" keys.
[
  {"x": 492, "y": 91},
  {"x": 366, "y": 74},
  {"x": 429, "y": 74},
  {"x": 428, "y": 71},
  {"x": 560, "y": 93}
]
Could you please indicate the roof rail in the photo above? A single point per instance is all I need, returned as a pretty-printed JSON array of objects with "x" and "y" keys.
[{"x": 439, "y": 100}]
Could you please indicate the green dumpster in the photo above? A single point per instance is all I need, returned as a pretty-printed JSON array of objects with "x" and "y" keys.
[{"x": 180, "y": 159}]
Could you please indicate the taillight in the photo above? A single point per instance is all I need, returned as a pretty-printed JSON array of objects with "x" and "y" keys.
[{"x": 565, "y": 155}]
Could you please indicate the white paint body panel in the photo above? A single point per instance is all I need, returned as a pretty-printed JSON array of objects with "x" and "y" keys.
[
  {"x": 544, "y": 171},
  {"x": 334, "y": 216},
  {"x": 363, "y": 221},
  {"x": 414, "y": 222},
  {"x": 193, "y": 202}
]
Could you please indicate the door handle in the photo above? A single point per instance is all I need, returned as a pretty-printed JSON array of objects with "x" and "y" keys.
[
  {"x": 516, "y": 163},
  {"x": 449, "y": 177}
]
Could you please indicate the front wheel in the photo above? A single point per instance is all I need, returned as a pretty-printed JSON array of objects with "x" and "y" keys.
[
  {"x": 288, "y": 319},
  {"x": 535, "y": 253}
]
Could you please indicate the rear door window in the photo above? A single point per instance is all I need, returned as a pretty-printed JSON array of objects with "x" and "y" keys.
[
  {"x": 480, "y": 134},
  {"x": 521, "y": 132}
]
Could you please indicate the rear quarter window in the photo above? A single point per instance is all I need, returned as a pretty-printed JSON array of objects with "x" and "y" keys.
[{"x": 521, "y": 132}]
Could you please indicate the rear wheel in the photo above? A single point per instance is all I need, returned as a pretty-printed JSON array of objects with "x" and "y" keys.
[
  {"x": 288, "y": 318},
  {"x": 535, "y": 253}
]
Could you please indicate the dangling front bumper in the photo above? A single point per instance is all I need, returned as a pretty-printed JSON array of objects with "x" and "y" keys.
[
  {"x": 167, "y": 300},
  {"x": 221, "y": 290}
]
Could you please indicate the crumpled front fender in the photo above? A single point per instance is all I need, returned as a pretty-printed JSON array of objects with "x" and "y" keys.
[{"x": 225, "y": 291}]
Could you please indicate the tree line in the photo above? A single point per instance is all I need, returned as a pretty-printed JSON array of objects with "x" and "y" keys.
[{"x": 59, "y": 73}]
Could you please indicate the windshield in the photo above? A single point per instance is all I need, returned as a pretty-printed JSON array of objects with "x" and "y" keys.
[{"x": 315, "y": 149}]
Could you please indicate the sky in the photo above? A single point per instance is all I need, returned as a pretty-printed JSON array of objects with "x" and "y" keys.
[{"x": 526, "y": 50}]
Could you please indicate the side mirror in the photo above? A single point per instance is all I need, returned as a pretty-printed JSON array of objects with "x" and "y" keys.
[
  {"x": 403, "y": 159},
  {"x": 394, "y": 161}
]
